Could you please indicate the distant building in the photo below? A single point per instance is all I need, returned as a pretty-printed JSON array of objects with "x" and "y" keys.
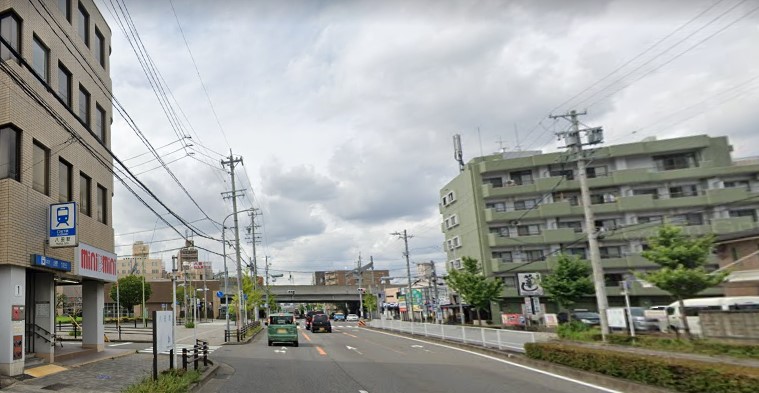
[
  {"x": 371, "y": 278},
  {"x": 187, "y": 263},
  {"x": 141, "y": 264}
]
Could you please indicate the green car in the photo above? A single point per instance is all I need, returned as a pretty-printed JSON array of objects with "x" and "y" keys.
[{"x": 282, "y": 328}]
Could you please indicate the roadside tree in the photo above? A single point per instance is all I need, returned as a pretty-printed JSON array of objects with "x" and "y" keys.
[
  {"x": 569, "y": 281},
  {"x": 473, "y": 286}
]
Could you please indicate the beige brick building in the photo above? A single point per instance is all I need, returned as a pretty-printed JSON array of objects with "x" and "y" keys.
[
  {"x": 141, "y": 264},
  {"x": 739, "y": 252},
  {"x": 55, "y": 117}
]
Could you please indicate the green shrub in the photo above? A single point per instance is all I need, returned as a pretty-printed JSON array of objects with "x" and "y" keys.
[
  {"x": 189, "y": 324},
  {"x": 706, "y": 347},
  {"x": 169, "y": 381},
  {"x": 578, "y": 331},
  {"x": 681, "y": 375}
]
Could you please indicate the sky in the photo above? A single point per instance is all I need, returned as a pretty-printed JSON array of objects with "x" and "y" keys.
[{"x": 343, "y": 112}]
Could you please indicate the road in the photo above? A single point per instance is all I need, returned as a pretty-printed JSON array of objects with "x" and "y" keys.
[{"x": 352, "y": 359}]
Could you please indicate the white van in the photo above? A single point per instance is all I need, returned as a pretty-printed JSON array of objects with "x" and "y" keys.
[{"x": 694, "y": 306}]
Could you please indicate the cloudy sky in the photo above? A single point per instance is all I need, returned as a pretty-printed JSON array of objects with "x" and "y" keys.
[{"x": 343, "y": 112}]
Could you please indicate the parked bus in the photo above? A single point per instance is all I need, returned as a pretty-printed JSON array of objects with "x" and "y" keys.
[{"x": 694, "y": 306}]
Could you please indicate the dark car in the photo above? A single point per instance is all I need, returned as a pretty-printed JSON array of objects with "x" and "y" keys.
[
  {"x": 587, "y": 317},
  {"x": 310, "y": 316},
  {"x": 320, "y": 323}
]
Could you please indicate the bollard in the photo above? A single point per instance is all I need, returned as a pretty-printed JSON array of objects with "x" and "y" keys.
[
  {"x": 75, "y": 332},
  {"x": 195, "y": 356},
  {"x": 171, "y": 359},
  {"x": 184, "y": 359},
  {"x": 119, "y": 328},
  {"x": 205, "y": 354}
]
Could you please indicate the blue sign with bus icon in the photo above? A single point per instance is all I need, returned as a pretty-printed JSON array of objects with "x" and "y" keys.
[{"x": 62, "y": 224}]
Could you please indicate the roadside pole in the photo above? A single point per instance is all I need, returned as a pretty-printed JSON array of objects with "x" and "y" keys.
[{"x": 173, "y": 305}]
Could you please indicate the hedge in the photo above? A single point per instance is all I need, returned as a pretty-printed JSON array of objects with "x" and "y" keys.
[
  {"x": 707, "y": 347},
  {"x": 681, "y": 375}
]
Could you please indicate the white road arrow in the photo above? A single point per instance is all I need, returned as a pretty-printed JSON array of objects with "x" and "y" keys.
[
  {"x": 420, "y": 347},
  {"x": 283, "y": 350},
  {"x": 353, "y": 349}
]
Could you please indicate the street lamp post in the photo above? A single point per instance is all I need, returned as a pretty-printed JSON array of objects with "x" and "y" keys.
[{"x": 226, "y": 272}]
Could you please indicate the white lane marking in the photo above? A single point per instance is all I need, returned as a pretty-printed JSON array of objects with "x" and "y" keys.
[
  {"x": 283, "y": 350},
  {"x": 505, "y": 362},
  {"x": 363, "y": 391},
  {"x": 353, "y": 349},
  {"x": 116, "y": 345},
  {"x": 417, "y": 346}
]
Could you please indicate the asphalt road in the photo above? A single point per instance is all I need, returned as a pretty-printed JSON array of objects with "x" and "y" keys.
[{"x": 351, "y": 359}]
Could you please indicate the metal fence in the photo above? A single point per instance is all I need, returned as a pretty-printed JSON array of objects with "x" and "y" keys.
[{"x": 485, "y": 337}]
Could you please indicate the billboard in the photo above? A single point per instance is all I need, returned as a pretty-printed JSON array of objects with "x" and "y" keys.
[{"x": 95, "y": 263}]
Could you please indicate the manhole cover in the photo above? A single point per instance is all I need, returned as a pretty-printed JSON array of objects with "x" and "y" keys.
[{"x": 56, "y": 386}]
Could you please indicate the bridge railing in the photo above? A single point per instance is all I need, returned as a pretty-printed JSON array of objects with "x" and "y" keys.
[{"x": 482, "y": 336}]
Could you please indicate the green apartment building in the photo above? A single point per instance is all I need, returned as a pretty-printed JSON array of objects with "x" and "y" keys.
[{"x": 516, "y": 211}]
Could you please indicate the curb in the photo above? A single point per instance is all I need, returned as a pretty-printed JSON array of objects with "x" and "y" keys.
[
  {"x": 516, "y": 357},
  {"x": 209, "y": 373},
  {"x": 121, "y": 355}
]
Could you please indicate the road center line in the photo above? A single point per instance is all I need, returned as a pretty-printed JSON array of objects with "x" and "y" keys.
[
  {"x": 537, "y": 370},
  {"x": 306, "y": 337},
  {"x": 348, "y": 334},
  {"x": 321, "y": 351}
]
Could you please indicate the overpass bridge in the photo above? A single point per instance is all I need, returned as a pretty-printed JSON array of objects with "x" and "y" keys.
[{"x": 314, "y": 293}]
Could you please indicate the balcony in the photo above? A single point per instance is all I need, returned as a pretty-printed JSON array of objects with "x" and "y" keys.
[{"x": 550, "y": 236}]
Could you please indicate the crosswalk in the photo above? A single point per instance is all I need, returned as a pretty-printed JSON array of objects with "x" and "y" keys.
[{"x": 211, "y": 348}]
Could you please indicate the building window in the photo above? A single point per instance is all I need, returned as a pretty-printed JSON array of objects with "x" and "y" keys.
[
  {"x": 598, "y": 171},
  {"x": 84, "y": 25},
  {"x": 509, "y": 281},
  {"x": 651, "y": 220},
  {"x": 449, "y": 198},
  {"x": 613, "y": 279},
  {"x": 606, "y": 197},
  {"x": 525, "y": 204},
  {"x": 561, "y": 171},
  {"x": 40, "y": 165},
  {"x": 578, "y": 251},
  {"x": 688, "y": 219},
  {"x": 500, "y": 231},
  {"x": 575, "y": 225},
  {"x": 738, "y": 184},
  {"x": 504, "y": 256},
  {"x": 9, "y": 154},
  {"x": 498, "y": 206},
  {"x": 41, "y": 59},
  {"x": 100, "y": 123},
  {"x": 454, "y": 242},
  {"x": 521, "y": 177},
  {"x": 456, "y": 263},
  {"x": 683, "y": 191},
  {"x": 744, "y": 213},
  {"x": 102, "y": 204},
  {"x": 534, "y": 255},
  {"x": 65, "y": 7},
  {"x": 654, "y": 192},
  {"x": 528, "y": 230},
  {"x": 10, "y": 29},
  {"x": 64, "y": 84},
  {"x": 99, "y": 47},
  {"x": 496, "y": 182},
  {"x": 574, "y": 199},
  {"x": 451, "y": 221},
  {"x": 64, "y": 181},
  {"x": 84, "y": 194},
  {"x": 84, "y": 105},
  {"x": 607, "y": 224},
  {"x": 610, "y": 252},
  {"x": 676, "y": 161}
]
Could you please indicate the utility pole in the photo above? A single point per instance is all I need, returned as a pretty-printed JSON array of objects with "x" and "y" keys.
[
  {"x": 173, "y": 306},
  {"x": 232, "y": 162},
  {"x": 409, "y": 296},
  {"x": 254, "y": 269},
  {"x": 574, "y": 143},
  {"x": 436, "y": 308},
  {"x": 360, "y": 288},
  {"x": 266, "y": 273}
]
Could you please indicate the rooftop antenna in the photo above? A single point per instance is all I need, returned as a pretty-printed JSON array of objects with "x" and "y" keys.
[
  {"x": 458, "y": 154},
  {"x": 516, "y": 133},
  {"x": 501, "y": 148}
]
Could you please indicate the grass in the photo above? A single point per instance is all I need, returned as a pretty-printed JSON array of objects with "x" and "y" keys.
[
  {"x": 66, "y": 319},
  {"x": 169, "y": 381}
]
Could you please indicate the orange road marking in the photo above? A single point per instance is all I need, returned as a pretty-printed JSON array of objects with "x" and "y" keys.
[
  {"x": 306, "y": 337},
  {"x": 321, "y": 351},
  {"x": 348, "y": 334}
]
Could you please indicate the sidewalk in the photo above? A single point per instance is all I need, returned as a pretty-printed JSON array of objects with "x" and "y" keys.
[{"x": 114, "y": 369}]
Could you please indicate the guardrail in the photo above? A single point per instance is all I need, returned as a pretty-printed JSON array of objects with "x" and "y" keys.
[
  {"x": 485, "y": 337},
  {"x": 199, "y": 346},
  {"x": 240, "y": 333}
]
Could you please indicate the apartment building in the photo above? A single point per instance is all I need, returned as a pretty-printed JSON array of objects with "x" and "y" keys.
[
  {"x": 55, "y": 124},
  {"x": 739, "y": 252},
  {"x": 370, "y": 278},
  {"x": 140, "y": 263},
  {"x": 515, "y": 212},
  {"x": 189, "y": 265}
]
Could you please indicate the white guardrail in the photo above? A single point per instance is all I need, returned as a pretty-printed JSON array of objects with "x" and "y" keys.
[{"x": 486, "y": 337}]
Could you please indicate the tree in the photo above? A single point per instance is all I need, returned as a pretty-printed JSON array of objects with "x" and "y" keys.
[
  {"x": 569, "y": 282},
  {"x": 473, "y": 286},
  {"x": 130, "y": 291},
  {"x": 682, "y": 259},
  {"x": 60, "y": 302},
  {"x": 370, "y": 302}
]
